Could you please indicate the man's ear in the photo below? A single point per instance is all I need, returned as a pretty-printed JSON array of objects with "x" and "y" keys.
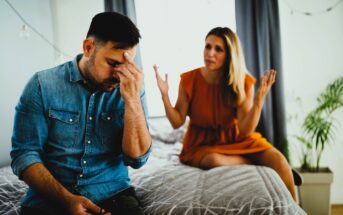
[{"x": 88, "y": 47}]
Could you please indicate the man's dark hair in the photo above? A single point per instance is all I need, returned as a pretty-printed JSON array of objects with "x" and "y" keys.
[{"x": 114, "y": 27}]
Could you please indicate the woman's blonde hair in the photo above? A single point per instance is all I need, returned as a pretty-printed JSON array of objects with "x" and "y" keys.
[{"x": 234, "y": 68}]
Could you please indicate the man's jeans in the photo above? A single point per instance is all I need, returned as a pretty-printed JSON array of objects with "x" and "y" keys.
[{"x": 125, "y": 202}]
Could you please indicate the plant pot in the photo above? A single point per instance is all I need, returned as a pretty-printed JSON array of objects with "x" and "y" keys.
[{"x": 314, "y": 193}]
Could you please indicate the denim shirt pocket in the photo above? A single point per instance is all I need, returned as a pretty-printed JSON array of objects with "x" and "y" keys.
[
  {"x": 111, "y": 130},
  {"x": 64, "y": 126}
]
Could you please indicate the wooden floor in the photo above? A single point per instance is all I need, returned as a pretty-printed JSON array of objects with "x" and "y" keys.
[{"x": 336, "y": 209}]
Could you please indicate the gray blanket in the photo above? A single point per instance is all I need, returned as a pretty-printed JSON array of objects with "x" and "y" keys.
[
  {"x": 245, "y": 189},
  {"x": 165, "y": 186},
  {"x": 11, "y": 192}
]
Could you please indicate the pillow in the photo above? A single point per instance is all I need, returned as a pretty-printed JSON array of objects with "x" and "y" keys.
[{"x": 161, "y": 129}]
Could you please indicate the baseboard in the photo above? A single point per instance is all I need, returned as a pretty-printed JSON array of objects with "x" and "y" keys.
[{"x": 336, "y": 209}]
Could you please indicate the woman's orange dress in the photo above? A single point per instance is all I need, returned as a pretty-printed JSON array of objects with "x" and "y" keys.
[{"x": 213, "y": 126}]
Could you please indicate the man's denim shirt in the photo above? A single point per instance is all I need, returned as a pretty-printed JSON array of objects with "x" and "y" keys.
[{"x": 75, "y": 133}]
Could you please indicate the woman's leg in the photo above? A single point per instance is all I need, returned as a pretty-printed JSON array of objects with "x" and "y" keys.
[
  {"x": 274, "y": 159},
  {"x": 215, "y": 159}
]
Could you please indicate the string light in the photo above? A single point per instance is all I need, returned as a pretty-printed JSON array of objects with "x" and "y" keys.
[
  {"x": 24, "y": 33},
  {"x": 307, "y": 13}
]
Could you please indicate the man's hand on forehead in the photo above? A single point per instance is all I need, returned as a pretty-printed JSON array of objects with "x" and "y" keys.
[{"x": 129, "y": 66}]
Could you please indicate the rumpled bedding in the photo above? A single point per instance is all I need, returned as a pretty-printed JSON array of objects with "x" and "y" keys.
[
  {"x": 165, "y": 186},
  {"x": 11, "y": 192}
]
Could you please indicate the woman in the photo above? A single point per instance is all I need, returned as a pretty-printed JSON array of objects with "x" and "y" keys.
[{"x": 223, "y": 109}]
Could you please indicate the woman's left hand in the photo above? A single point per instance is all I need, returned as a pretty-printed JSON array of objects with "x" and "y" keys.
[{"x": 266, "y": 83}]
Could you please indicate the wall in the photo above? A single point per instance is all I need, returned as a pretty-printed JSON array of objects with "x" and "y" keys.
[
  {"x": 173, "y": 37},
  {"x": 20, "y": 58},
  {"x": 71, "y": 22},
  {"x": 312, "y": 58},
  {"x": 63, "y": 22}
]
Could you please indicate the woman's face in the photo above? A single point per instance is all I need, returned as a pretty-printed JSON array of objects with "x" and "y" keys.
[{"x": 214, "y": 53}]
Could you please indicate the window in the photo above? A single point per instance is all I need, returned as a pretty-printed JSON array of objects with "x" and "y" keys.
[{"x": 173, "y": 34}]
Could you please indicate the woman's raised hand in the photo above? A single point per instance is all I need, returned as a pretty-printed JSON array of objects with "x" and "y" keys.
[
  {"x": 266, "y": 83},
  {"x": 162, "y": 84}
]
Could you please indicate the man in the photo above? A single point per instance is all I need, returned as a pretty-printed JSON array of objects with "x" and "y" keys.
[{"x": 79, "y": 125}]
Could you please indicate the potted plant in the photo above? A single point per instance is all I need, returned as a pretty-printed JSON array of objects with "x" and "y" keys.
[{"x": 318, "y": 130}]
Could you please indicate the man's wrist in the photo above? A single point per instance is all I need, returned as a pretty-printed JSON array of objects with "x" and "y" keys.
[
  {"x": 65, "y": 197},
  {"x": 134, "y": 106},
  {"x": 133, "y": 103}
]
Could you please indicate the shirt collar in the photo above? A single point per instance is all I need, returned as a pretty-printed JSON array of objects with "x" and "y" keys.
[{"x": 75, "y": 74}]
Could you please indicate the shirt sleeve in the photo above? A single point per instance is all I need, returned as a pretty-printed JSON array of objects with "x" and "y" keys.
[
  {"x": 141, "y": 160},
  {"x": 138, "y": 162},
  {"x": 30, "y": 128}
]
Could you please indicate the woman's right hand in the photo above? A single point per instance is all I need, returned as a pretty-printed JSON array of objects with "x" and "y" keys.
[{"x": 162, "y": 84}]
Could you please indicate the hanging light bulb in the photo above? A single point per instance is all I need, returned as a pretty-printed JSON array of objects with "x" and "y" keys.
[{"x": 24, "y": 32}]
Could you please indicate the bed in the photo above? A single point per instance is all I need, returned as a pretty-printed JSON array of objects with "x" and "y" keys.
[{"x": 165, "y": 186}]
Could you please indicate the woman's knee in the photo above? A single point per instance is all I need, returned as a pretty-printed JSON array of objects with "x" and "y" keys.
[
  {"x": 214, "y": 160},
  {"x": 271, "y": 158},
  {"x": 210, "y": 160},
  {"x": 279, "y": 161}
]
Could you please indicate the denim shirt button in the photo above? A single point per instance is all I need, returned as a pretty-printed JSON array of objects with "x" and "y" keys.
[
  {"x": 81, "y": 175},
  {"x": 84, "y": 162},
  {"x": 70, "y": 120},
  {"x": 108, "y": 118},
  {"x": 88, "y": 141},
  {"x": 90, "y": 118}
]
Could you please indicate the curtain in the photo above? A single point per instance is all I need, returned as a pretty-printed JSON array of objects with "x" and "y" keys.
[
  {"x": 258, "y": 27},
  {"x": 125, "y": 7}
]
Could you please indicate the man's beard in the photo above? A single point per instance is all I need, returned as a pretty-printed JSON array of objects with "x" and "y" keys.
[{"x": 107, "y": 85}]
